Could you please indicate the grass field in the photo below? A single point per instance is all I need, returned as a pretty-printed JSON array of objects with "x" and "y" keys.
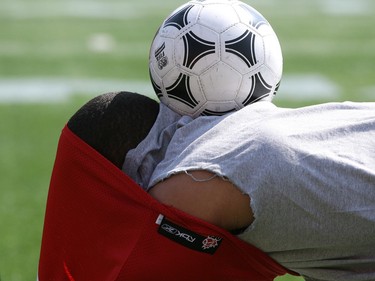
[{"x": 55, "y": 55}]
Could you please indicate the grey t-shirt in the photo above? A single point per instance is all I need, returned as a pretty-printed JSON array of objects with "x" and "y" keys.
[{"x": 310, "y": 173}]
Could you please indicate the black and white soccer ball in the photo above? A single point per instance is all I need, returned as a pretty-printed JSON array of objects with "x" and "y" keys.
[{"x": 211, "y": 57}]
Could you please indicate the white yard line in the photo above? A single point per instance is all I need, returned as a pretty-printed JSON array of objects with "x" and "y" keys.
[
  {"x": 347, "y": 7},
  {"x": 25, "y": 9},
  {"x": 81, "y": 9},
  {"x": 330, "y": 7},
  {"x": 49, "y": 90},
  {"x": 308, "y": 87}
]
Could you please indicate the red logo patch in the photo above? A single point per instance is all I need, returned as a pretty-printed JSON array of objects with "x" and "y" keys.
[{"x": 210, "y": 242}]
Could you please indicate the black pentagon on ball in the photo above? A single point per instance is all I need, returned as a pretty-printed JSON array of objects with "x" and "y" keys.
[
  {"x": 243, "y": 47},
  {"x": 181, "y": 91},
  {"x": 259, "y": 89},
  {"x": 195, "y": 49},
  {"x": 179, "y": 19}
]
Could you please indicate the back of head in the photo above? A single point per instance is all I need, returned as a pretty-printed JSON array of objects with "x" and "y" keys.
[{"x": 114, "y": 123}]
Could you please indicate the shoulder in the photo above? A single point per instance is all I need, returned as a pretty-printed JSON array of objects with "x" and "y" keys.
[{"x": 206, "y": 196}]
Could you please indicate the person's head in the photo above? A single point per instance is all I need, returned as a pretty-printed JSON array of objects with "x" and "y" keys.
[{"x": 115, "y": 123}]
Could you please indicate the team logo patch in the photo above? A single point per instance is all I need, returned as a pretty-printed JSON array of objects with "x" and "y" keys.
[
  {"x": 211, "y": 242},
  {"x": 206, "y": 244}
]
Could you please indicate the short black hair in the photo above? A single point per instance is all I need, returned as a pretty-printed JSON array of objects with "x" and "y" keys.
[{"x": 114, "y": 123}]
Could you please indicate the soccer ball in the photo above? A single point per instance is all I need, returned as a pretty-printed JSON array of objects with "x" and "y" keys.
[{"x": 211, "y": 57}]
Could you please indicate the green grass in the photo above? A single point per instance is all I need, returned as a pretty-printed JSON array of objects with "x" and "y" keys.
[
  {"x": 341, "y": 48},
  {"x": 28, "y": 139},
  {"x": 60, "y": 48}
]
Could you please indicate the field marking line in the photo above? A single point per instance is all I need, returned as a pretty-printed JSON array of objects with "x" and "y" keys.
[
  {"x": 54, "y": 90},
  {"x": 22, "y": 9}
]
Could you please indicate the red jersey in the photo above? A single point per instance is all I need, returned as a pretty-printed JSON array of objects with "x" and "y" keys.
[{"x": 101, "y": 226}]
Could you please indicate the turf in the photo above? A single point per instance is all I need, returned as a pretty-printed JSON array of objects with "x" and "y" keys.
[
  {"x": 28, "y": 138},
  {"x": 34, "y": 44}
]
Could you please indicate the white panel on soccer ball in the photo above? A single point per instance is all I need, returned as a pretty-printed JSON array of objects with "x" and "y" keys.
[
  {"x": 247, "y": 84},
  {"x": 273, "y": 55},
  {"x": 218, "y": 16},
  {"x": 266, "y": 30},
  {"x": 220, "y": 82},
  {"x": 161, "y": 55},
  {"x": 242, "y": 48},
  {"x": 197, "y": 90},
  {"x": 193, "y": 15},
  {"x": 205, "y": 63},
  {"x": 170, "y": 32},
  {"x": 259, "y": 49},
  {"x": 269, "y": 76},
  {"x": 171, "y": 77}
]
